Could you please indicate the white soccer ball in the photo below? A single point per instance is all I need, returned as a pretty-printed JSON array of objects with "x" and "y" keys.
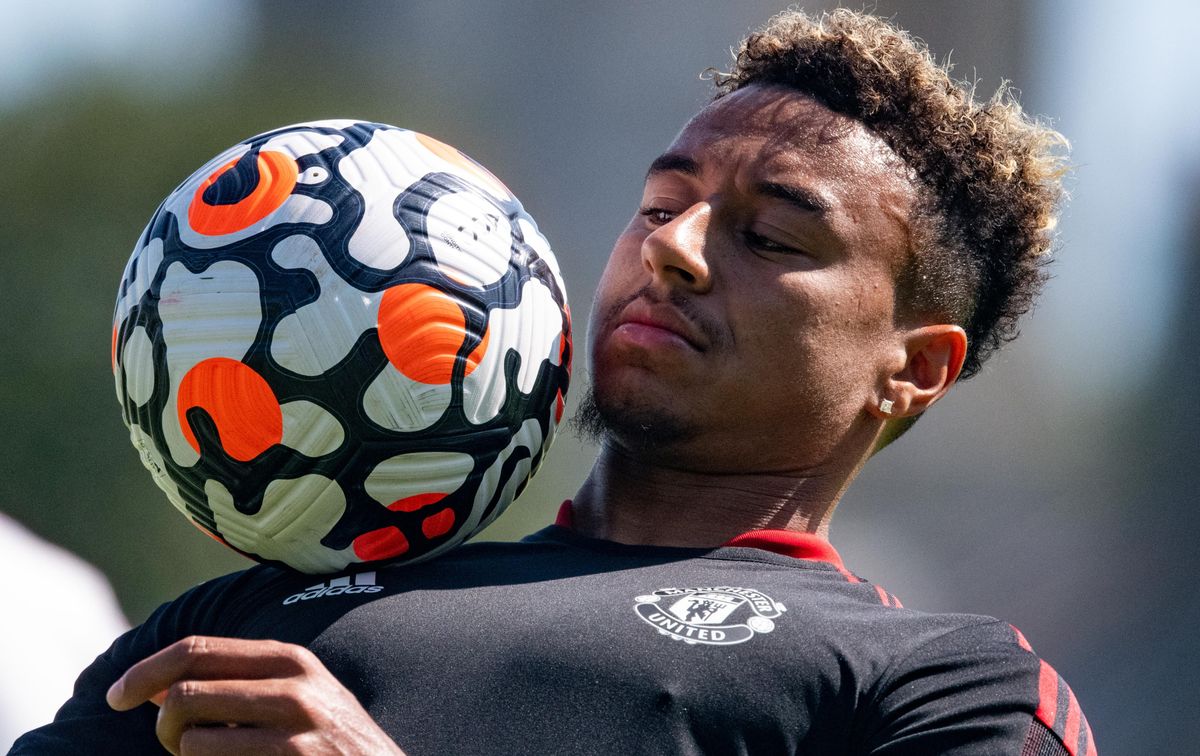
[{"x": 341, "y": 342}]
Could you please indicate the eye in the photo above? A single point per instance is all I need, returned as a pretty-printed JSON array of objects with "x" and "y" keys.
[
  {"x": 656, "y": 216},
  {"x": 763, "y": 244}
]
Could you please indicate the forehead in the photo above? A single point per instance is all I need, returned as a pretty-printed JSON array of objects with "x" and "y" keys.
[{"x": 775, "y": 130}]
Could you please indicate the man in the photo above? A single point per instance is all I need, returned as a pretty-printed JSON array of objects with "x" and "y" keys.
[{"x": 822, "y": 251}]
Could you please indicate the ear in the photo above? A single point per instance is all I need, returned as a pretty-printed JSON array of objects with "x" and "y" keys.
[{"x": 934, "y": 358}]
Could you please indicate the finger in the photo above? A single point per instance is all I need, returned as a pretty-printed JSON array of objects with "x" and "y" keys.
[
  {"x": 203, "y": 703},
  {"x": 234, "y": 741},
  {"x": 205, "y": 658}
]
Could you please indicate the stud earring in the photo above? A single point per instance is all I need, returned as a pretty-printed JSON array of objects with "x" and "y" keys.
[{"x": 885, "y": 406}]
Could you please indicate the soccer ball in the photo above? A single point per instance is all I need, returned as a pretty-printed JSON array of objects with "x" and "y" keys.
[{"x": 341, "y": 342}]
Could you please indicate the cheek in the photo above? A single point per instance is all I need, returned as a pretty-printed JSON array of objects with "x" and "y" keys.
[
  {"x": 617, "y": 282},
  {"x": 820, "y": 343},
  {"x": 624, "y": 261}
]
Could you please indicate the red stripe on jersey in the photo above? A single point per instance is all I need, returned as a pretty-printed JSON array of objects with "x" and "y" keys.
[
  {"x": 1021, "y": 639},
  {"x": 566, "y": 516},
  {"x": 1047, "y": 695},
  {"x": 1087, "y": 745},
  {"x": 790, "y": 543},
  {"x": 784, "y": 542},
  {"x": 883, "y": 597},
  {"x": 1071, "y": 731},
  {"x": 795, "y": 545},
  {"x": 850, "y": 576}
]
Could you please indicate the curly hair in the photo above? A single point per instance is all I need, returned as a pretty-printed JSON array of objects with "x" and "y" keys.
[{"x": 989, "y": 177}]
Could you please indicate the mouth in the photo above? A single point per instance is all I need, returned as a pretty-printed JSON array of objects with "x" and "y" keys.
[{"x": 658, "y": 325}]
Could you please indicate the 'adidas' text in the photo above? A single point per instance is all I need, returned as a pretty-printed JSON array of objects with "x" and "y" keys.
[{"x": 364, "y": 582}]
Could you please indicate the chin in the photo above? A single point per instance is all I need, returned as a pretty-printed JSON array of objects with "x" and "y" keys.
[{"x": 636, "y": 426}]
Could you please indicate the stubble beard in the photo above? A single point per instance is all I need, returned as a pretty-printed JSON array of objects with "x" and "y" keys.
[
  {"x": 639, "y": 429},
  {"x": 631, "y": 422}
]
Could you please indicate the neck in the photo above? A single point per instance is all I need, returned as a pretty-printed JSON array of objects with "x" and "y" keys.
[{"x": 629, "y": 500}]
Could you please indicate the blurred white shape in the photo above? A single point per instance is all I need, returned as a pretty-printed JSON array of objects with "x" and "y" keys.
[
  {"x": 1118, "y": 82},
  {"x": 61, "y": 613},
  {"x": 159, "y": 45}
]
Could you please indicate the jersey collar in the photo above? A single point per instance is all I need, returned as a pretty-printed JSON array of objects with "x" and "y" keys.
[{"x": 787, "y": 543}]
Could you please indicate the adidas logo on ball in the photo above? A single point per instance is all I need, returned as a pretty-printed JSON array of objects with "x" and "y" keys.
[{"x": 364, "y": 582}]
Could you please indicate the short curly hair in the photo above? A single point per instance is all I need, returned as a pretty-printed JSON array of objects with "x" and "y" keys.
[{"x": 989, "y": 177}]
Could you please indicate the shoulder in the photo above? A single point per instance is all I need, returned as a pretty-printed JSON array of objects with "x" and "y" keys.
[
  {"x": 974, "y": 679},
  {"x": 1057, "y": 707},
  {"x": 924, "y": 682}
]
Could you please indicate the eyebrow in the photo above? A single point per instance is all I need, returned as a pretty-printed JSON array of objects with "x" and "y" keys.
[
  {"x": 805, "y": 199},
  {"x": 802, "y": 198},
  {"x": 673, "y": 161}
]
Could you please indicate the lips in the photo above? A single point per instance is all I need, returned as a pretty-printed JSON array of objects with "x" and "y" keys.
[{"x": 655, "y": 323}]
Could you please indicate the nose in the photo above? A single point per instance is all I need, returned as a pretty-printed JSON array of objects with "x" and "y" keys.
[{"x": 675, "y": 251}]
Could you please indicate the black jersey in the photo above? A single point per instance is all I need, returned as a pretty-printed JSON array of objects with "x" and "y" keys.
[{"x": 563, "y": 644}]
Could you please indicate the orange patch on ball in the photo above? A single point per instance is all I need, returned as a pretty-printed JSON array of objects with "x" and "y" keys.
[
  {"x": 476, "y": 355},
  {"x": 277, "y": 174},
  {"x": 413, "y": 503},
  {"x": 381, "y": 543},
  {"x": 455, "y": 157},
  {"x": 240, "y": 403},
  {"x": 421, "y": 330},
  {"x": 438, "y": 524}
]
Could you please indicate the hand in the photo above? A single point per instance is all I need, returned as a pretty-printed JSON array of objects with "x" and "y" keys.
[{"x": 230, "y": 696}]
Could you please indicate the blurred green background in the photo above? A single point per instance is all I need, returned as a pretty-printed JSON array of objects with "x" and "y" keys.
[{"x": 1056, "y": 490}]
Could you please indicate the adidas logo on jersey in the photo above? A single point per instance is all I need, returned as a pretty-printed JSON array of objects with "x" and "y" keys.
[{"x": 364, "y": 582}]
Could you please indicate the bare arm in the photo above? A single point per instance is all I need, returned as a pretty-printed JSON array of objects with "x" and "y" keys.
[{"x": 232, "y": 696}]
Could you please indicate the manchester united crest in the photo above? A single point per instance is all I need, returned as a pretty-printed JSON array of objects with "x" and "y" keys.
[{"x": 717, "y": 616}]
